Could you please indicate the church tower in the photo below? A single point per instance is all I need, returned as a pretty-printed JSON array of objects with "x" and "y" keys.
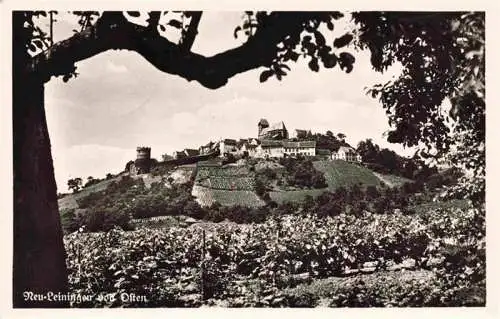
[{"x": 263, "y": 123}]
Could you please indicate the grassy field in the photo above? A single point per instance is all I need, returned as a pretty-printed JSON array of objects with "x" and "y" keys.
[
  {"x": 341, "y": 173},
  {"x": 337, "y": 173}
]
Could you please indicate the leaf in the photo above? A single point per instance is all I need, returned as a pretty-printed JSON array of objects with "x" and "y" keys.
[
  {"x": 330, "y": 61},
  {"x": 306, "y": 39},
  {"x": 134, "y": 14},
  {"x": 279, "y": 73},
  {"x": 284, "y": 66},
  {"x": 175, "y": 23},
  {"x": 320, "y": 39},
  {"x": 294, "y": 56},
  {"x": 265, "y": 75},
  {"x": 343, "y": 40},
  {"x": 162, "y": 27},
  {"x": 347, "y": 58},
  {"x": 313, "y": 64},
  {"x": 329, "y": 25},
  {"x": 336, "y": 15},
  {"x": 32, "y": 47},
  {"x": 236, "y": 30}
]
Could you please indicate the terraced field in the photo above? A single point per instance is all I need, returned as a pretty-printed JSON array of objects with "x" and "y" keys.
[
  {"x": 206, "y": 196},
  {"x": 238, "y": 183},
  {"x": 227, "y": 185},
  {"x": 223, "y": 171}
]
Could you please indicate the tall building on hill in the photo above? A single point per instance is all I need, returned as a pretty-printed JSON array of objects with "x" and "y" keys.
[
  {"x": 277, "y": 131},
  {"x": 143, "y": 162}
]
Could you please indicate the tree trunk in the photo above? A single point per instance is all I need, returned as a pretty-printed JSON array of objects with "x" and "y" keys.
[{"x": 39, "y": 255}]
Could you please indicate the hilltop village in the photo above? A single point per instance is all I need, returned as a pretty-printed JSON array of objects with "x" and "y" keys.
[{"x": 272, "y": 141}]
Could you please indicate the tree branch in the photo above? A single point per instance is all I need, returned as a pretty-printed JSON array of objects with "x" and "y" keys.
[
  {"x": 112, "y": 32},
  {"x": 192, "y": 31},
  {"x": 154, "y": 19}
]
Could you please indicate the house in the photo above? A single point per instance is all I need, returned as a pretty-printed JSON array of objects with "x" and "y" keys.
[
  {"x": 241, "y": 142},
  {"x": 166, "y": 157},
  {"x": 191, "y": 152},
  {"x": 249, "y": 149},
  {"x": 178, "y": 155},
  {"x": 276, "y": 131},
  {"x": 270, "y": 148},
  {"x": 228, "y": 146},
  {"x": 346, "y": 153},
  {"x": 304, "y": 148},
  {"x": 207, "y": 148},
  {"x": 253, "y": 141}
]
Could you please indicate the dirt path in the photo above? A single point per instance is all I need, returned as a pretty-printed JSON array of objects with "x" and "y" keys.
[{"x": 384, "y": 180}]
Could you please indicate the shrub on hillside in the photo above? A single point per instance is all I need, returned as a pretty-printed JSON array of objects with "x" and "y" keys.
[
  {"x": 260, "y": 187},
  {"x": 301, "y": 173},
  {"x": 129, "y": 198},
  {"x": 160, "y": 170},
  {"x": 101, "y": 220}
]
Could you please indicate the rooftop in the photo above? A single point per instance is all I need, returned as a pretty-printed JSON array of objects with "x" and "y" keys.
[
  {"x": 271, "y": 143},
  {"x": 346, "y": 149},
  {"x": 301, "y": 144},
  {"x": 191, "y": 152},
  {"x": 274, "y": 127},
  {"x": 229, "y": 141}
]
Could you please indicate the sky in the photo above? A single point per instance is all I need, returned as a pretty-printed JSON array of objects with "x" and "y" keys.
[{"x": 119, "y": 101}]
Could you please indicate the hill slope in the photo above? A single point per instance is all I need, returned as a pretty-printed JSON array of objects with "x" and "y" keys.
[
  {"x": 337, "y": 173},
  {"x": 70, "y": 200},
  {"x": 231, "y": 185},
  {"x": 392, "y": 180}
]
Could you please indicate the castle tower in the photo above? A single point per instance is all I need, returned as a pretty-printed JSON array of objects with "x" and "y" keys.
[
  {"x": 143, "y": 160},
  {"x": 263, "y": 123}
]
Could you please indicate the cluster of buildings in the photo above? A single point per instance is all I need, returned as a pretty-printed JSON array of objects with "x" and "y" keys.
[{"x": 273, "y": 141}]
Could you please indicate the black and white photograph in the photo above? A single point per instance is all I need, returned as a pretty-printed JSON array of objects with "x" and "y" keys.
[{"x": 248, "y": 159}]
